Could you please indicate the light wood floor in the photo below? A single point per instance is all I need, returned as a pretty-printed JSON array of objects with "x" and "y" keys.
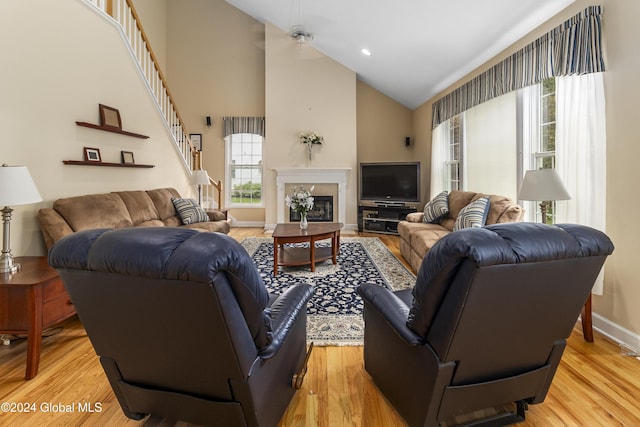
[{"x": 594, "y": 386}]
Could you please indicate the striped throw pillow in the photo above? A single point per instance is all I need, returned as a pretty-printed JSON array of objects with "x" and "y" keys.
[
  {"x": 189, "y": 210},
  {"x": 436, "y": 208},
  {"x": 473, "y": 215}
]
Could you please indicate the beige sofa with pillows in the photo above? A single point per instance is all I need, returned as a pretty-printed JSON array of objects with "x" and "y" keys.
[
  {"x": 162, "y": 207},
  {"x": 448, "y": 212}
]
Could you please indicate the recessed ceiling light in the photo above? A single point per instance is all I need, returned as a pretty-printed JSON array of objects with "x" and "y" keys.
[{"x": 366, "y": 51}]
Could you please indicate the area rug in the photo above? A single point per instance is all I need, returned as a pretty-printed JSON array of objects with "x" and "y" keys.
[{"x": 334, "y": 314}]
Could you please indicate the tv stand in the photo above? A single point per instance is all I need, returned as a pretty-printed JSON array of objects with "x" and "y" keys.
[{"x": 382, "y": 217}]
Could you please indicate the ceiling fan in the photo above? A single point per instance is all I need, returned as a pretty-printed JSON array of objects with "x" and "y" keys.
[{"x": 299, "y": 34}]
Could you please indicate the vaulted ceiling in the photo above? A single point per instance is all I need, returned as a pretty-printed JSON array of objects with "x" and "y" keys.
[{"x": 418, "y": 47}]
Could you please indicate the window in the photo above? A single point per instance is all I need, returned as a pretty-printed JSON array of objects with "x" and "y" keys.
[
  {"x": 244, "y": 170},
  {"x": 453, "y": 154},
  {"x": 539, "y": 137}
]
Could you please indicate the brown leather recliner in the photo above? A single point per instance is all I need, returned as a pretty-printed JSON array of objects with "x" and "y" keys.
[
  {"x": 486, "y": 323},
  {"x": 183, "y": 324}
]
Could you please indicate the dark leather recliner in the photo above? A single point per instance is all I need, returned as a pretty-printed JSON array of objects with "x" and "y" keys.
[
  {"x": 183, "y": 324},
  {"x": 486, "y": 323}
]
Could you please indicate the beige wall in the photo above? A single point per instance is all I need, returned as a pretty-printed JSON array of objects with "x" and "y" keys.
[
  {"x": 621, "y": 292},
  {"x": 57, "y": 74},
  {"x": 307, "y": 92},
  {"x": 383, "y": 125},
  {"x": 153, "y": 16},
  {"x": 215, "y": 67}
]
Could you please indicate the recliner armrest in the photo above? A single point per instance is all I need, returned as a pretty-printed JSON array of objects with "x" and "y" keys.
[
  {"x": 391, "y": 308},
  {"x": 284, "y": 313}
]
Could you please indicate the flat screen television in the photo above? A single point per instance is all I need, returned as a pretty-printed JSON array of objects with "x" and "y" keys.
[{"x": 397, "y": 182}]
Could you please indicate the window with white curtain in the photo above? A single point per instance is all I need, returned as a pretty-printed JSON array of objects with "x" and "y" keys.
[
  {"x": 453, "y": 150},
  {"x": 539, "y": 138}
]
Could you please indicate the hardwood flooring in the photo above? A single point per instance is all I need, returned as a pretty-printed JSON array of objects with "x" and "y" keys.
[{"x": 594, "y": 386}]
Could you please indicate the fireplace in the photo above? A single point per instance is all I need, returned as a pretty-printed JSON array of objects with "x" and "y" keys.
[{"x": 322, "y": 210}]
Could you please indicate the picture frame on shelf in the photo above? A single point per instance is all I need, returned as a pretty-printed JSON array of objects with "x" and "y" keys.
[
  {"x": 127, "y": 157},
  {"x": 110, "y": 117},
  {"x": 196, "y": 140},
  {"x": 92, "y": 155}
]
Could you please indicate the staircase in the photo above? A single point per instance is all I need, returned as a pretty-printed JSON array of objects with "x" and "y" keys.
[{"x": 127, "y": 21}]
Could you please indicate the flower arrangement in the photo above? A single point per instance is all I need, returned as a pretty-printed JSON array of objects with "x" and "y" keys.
[
  {"x": 311, "y": 139},
  {"x": 301, "y": 200}
]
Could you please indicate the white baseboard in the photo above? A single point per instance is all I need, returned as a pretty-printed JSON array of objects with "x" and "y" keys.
[{"x": 616, "y": 332}]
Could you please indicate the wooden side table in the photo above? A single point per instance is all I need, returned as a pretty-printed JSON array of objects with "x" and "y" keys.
[{"x": 31, "y": 300}]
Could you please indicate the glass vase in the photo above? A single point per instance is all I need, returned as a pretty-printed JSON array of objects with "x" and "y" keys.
[{"x": 303, "y": 220}]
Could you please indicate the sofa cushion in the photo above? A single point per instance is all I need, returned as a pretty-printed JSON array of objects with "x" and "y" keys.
[
  {"x": 503, "y": 209},
  {"x": 458, "y": 200},
  {"x": 436, "y": 208},
  {"x": 162, "y": 200},
  {"x": 140, "y": 206},
  {"x": 473, "y": 215},
  {"x": 94, "y": 211},
  {"x": 189, "y": 210}
]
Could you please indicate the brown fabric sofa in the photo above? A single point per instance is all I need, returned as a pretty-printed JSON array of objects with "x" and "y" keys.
[
  {"x": 416, "y": 237},
  {"x": 121, "y": 209}
]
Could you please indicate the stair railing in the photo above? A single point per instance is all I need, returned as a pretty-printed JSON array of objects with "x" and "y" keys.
[{"x": 124, "y": 14}]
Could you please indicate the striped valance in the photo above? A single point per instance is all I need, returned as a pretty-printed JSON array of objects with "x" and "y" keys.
[
  {"x": 253, "y": 125},
  {"x": 572, "y": 48}
]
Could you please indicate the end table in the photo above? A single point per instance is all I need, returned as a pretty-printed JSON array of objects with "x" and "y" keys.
[{"x": 32, "y": 299}]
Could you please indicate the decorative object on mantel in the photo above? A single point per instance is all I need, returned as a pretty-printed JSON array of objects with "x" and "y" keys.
[
  {"x": 311, "y": 139},
  {"x": 16, "y": 188},
  {"x": 301, "y": 201}
]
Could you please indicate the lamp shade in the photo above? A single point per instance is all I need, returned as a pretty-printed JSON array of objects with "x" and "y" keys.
[
  {"x": 543, "y": 185},
  {"x": 17, "y": 186},
  {"x": 200, "y": 177}
]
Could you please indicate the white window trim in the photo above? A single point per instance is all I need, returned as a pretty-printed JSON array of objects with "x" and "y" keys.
[{"x": 228, "y": 188}]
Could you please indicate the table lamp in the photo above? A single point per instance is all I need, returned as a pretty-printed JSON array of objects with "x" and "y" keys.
[
  {"x": 16, "y": 188},
  {"x": 200, "y": 177},
  {"x": 544, "y": 186}
]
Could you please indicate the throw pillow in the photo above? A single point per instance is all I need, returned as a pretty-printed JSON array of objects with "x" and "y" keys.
[
  {"x": 473, "y": 215},
  {"x": 189, "y": 210},
  {"x": 436, "y": 208}
]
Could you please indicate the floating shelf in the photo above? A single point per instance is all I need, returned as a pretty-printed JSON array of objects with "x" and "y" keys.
[
  {"x": 117, "y": 165},
  {"x": 111, "y": 129}
]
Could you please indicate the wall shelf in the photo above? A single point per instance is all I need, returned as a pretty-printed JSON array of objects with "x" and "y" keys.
[
  {"x": 111, "y": 129},
  {"x": 117, "y": 165}
]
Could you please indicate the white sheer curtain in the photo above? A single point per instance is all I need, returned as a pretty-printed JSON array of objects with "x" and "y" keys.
[
  {"x": 439, "y": 143},
  {"x": 581, "y": 152}
]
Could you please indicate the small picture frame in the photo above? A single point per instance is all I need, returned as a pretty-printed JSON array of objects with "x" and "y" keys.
[
  {"x": 127, "y": 157},
  {"x": 196, "y": 140},
  {"x": 92, "y": 155},
  {"x": 110, "y": 117}
]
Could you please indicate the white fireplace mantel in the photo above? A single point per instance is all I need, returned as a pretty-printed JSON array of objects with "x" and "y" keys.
[{"x": 312, "y": 176}]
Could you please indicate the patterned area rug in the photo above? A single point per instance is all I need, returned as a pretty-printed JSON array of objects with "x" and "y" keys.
[{"x": 335, "y": 311}]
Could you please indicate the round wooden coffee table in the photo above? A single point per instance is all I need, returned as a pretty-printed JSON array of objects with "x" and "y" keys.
[{"x": 297, "y": 255}]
